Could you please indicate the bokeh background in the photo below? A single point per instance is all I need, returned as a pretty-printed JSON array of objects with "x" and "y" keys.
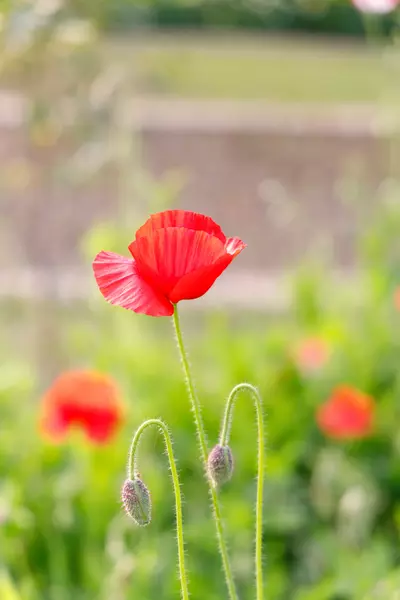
[{"x": 280, "y": 119}]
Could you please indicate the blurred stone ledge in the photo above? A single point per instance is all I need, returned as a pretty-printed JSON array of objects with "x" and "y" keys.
[
  {"x": 257, "y": 116},
  {"x": 166, "y": 113},
  {"x": 255, "y": 290}
]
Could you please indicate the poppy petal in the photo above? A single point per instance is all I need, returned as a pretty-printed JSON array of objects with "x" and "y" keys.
[
  {"x": 347, "y": 414},
  {"x": 121, "y": 284},
  {"x": 100, "y": 428},
  {"x": 53, "y": 427},
  {"x": 198, "y": 282},
  {"x": 348, "y": 424},
  {"x": 170, "y": 254},
  {"x": 234, "y": 246},
  {"x": 180, "y": 218}
]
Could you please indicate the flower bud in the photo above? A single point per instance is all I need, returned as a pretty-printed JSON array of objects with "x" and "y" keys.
[
  {"x": 136, "y": 500},
  {"x": 220, "y": 465}
]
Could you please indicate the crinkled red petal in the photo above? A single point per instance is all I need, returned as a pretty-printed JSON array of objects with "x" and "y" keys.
[
  {"x": 180, "y": 218},
  {"x": 234, "y": 246},
  {"x": 121, "y": 284},
  {"x": 168, "y": 255},
  {"x": 197, "y": 282}
]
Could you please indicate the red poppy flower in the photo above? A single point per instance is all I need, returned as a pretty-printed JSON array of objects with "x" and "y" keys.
[
  {"x": 311, "y": 354},
  {"x": 348, "y": 414},
  {"x": 82, "y": 399},
  {"x": 177, "y": 255}
]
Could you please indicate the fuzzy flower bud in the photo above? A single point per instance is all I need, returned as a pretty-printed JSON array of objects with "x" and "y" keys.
[
  {"x": 136, "y": 500},
  {"x": 220, "y": 465}
]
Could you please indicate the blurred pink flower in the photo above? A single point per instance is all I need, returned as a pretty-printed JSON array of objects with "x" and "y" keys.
[
  {"x": 376, "y": 6},
  {"x": 311, "y": 354}
]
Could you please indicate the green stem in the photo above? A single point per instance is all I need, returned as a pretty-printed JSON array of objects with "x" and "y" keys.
[
  {"x": 133, "y": 472},
  {"x": 224, "y": 441},
  {"x": 196, "y": 408}
]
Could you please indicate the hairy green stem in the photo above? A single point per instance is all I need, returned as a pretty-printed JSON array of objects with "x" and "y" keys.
[
  {"x": 224, "y": 441},
  {"x": 196, "y": 408},
  {"x": 133, "y": 472}
]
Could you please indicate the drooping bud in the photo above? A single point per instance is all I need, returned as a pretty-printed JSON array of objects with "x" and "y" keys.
[
  {"x": 220, "y": 465},
  {"x": 136, "y": 500}
]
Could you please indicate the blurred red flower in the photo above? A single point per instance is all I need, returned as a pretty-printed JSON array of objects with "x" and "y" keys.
[
  {"x": 177, "y": 255},
  {"x": 84, "y": 399},
  {"x": 376, "y": 6},
  {"x": 311, "y": 354},
  {"x": 347, "y": 414}
]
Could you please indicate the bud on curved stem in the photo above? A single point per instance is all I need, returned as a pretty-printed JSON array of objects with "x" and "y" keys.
[
  {"x": 224, "y": 440},
  {"x": 136, "y": 497},
  {"x": 220, "y": 465},
  {"x": 136, "y": 500}
]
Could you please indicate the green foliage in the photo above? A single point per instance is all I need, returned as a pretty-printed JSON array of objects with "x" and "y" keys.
[
  {"x": 323, "y": 16},
  {"x": 314, "y": 16},
  {"x": 332, "y": 512}
]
